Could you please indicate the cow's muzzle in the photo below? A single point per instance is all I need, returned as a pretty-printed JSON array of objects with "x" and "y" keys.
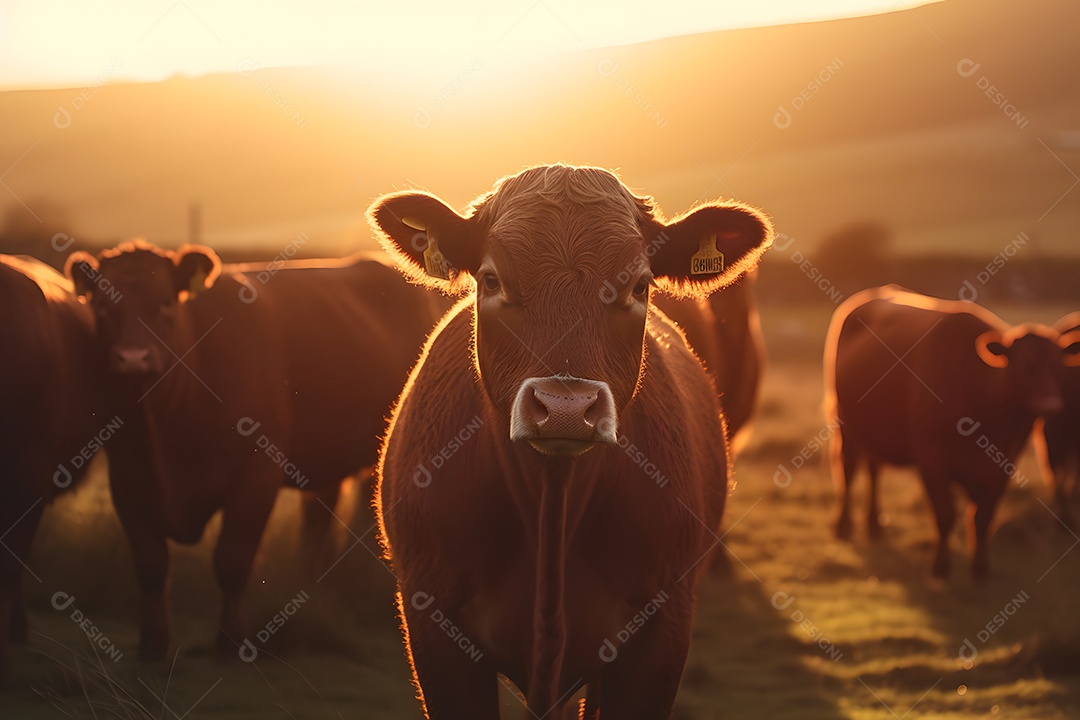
[
  {"x": 563, "y": 415},
  {"x": 134, "y": 361},
  {"x": 1047, "y": 403}
]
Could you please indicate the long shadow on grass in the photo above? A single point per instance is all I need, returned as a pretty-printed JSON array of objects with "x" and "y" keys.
[
  {"x": 750, "y": 659},
  {"x": 985, "y": 640}
]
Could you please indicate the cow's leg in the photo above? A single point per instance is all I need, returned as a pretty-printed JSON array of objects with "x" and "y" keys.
[
  {"x": 243, "y": 522},
  {"x": 1064, "y": 473},
  {"x": 454, "y": 684},
  {"x": 1059, "y": 463},
  {"x": 317, "y": 510},
  {"x": 640, "y": 683},
  {"x": 140, "y": 516},
  {"x": 939, "y": 490},
  {"x": 20, "y": 628},
  {"x": 151, "y": 558},
  {"x": 8, "y": 590},
  {"x": 980, "y": 515},
  {"x": 844, "y": 456},
  {"x": 873, "y": 525},
  {"x": 140, "y": 507},
  {"x": 18, "y": 532}
]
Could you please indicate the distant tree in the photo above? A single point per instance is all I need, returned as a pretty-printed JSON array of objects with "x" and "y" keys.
[
  {"x": 856, "y": 256},
  {"x": 29, "y": 230}
]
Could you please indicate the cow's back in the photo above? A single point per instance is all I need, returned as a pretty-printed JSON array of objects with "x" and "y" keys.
[
  {"x": 675, "y": 377},
  {"x": 725, "y": 333},
  {"x": 48, "y": 390},
  {"x": 317, "y": 359},
  {"x": 901, "y": 374}
]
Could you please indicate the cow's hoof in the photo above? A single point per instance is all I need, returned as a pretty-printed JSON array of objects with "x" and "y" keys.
[{"x": 843, "y": 528}]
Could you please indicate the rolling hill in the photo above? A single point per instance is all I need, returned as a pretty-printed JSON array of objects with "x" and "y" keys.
[{"x": 955, "y": 125}]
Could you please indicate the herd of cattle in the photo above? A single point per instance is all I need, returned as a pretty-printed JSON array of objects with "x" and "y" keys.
[{"x": 591, "y": 350}]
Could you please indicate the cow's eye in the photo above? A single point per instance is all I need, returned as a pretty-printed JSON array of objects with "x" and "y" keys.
[
  {"x": 490, "y": 282},
  {"x": 641, "y": 289}
]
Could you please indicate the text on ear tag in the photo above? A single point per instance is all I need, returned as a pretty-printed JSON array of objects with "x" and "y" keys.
[
  {"x": 435, "y": 263},
  {"x": 707, "y": 260}
]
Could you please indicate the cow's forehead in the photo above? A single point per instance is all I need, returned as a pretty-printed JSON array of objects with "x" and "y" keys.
[
  {"x": 551, "y": 221},
  {"x": 540, "y": 222},
  {"x": 138, "y": 269},
  {"x": 559, "y": 191},
  {"x": 565, "y": 249}
]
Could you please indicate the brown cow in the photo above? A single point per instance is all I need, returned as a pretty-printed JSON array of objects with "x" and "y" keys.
[
  {"x": 240, "y": 380},
  {"x": 725, "y": 332},
  {"x": 555, "y": 469},
  {"x": 1059, "y": 442},
  {"x": 49, "y": 425},
  {"x": 944, "y": 386}
]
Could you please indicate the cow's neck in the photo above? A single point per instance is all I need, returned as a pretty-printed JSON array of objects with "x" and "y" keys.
[
  {"x": 524, "y": 472},
  {"x": 549, "y": 615},
  {"x": 142, "y": 437},
  {"x": 182, "y": 385}
]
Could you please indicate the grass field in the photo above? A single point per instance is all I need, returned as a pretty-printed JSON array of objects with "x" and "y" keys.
[{"x": 809, "y": 627}]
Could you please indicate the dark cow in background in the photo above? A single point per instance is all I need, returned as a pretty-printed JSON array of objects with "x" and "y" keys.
[
  {"x": 1059, "y": 442},
  {"x": 944, "y": 386},
  {"x": 556, "y": 464},
  {"x": 49, "y": 420},
  {"x": 725, "y": 332},
  {"x": 237, "y": 385}
]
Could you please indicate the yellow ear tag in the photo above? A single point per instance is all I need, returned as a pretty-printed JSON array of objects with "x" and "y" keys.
[
  {"x": 707, "y": 260},
  {"x": 435, "y": 262},
  {"x": 198, "y": 282}
]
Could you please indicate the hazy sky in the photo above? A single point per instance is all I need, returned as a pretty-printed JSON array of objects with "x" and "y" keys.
[{"x": 75, "y": 43}]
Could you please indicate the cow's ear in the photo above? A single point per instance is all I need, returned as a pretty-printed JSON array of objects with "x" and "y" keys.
[
  {"x": 706, "y": 249},
  {"x": 82, "y": 268},
  {"x": 197, "y": 267},
  {"x": 432, "y": 244},
  {"x": 992, "y": 350},
  {"x": 1070, "y": 343}
]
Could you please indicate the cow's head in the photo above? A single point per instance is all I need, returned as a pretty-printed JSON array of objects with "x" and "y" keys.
[
  {"x": 135, "y": 290},
  {"x": 563, "y": 259},
  {"x": 1035, "y": 358}
]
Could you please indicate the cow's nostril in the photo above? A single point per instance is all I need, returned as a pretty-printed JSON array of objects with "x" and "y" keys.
[
  {"x": 594, "y": 412},
  {"x": 536, "y": 409}
]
